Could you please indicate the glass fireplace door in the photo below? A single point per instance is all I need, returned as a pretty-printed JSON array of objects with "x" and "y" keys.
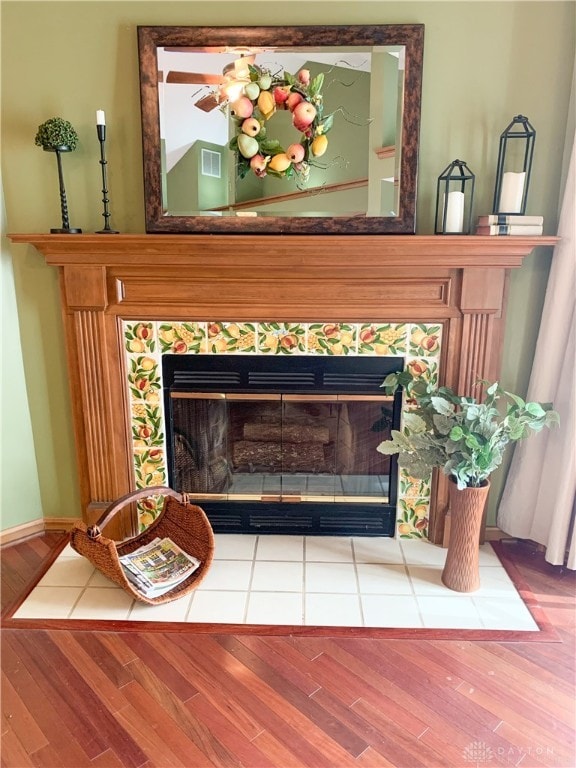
[{"x": 281, "y": 447}]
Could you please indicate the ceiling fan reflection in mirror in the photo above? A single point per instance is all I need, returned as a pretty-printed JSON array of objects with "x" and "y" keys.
[
  {"x": 225, "y": 72},
  {"x": 224, "y": 87}
]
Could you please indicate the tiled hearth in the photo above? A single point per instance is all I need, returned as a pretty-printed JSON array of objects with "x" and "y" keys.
[
  {"x": 146, "y": 341},
  {"x": 300, "y": 581}
]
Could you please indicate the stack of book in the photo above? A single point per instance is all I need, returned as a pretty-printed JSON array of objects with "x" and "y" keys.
[
  {"x": 510, "y": 224},
  {"x": 158, "y": 567}
]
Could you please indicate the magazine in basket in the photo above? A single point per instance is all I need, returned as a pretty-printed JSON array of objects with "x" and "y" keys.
[{"x": 157, "y": 567}]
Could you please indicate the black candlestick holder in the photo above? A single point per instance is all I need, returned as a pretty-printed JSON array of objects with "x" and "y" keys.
[{"x": 101, "y": 130}]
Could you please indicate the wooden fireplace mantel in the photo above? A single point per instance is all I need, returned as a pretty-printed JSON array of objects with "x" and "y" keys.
[{"x": 458, "y": 281}]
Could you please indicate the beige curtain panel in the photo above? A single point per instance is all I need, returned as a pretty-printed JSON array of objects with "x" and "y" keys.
[{"x": 538, "y": 502}]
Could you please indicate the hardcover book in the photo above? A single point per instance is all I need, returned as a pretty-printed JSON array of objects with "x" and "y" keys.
[
  {"x": 505, "y": 218},
  {"x": 510, "y": 229}
]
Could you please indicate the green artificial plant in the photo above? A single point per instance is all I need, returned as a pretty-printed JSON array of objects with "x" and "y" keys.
[
  {"x": 464, "y": 438},
  {"x": 56, "y": 133}
]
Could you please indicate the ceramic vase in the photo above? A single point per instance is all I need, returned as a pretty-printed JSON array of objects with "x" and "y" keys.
[{"x": 461, "y": 571}]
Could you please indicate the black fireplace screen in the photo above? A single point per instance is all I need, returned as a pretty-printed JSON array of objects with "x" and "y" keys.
[{"x": 283, "y": 445}]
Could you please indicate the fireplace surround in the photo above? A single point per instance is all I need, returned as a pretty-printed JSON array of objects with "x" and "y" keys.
[
  {"x": 459, "y": 283},
  {"x": 334, "y": 370}
]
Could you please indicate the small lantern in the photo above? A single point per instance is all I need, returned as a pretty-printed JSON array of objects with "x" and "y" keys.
[
  {"x": 514, "y": 166},
  {"x": 454, "y": 199}
]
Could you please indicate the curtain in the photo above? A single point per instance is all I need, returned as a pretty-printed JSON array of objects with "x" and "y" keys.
[{"x": 539, "y": 498}]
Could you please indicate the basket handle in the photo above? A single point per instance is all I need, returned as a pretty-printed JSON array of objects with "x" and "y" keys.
[{"x": 94, "y": 531}]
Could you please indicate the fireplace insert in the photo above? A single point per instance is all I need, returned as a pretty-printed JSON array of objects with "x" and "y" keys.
[{"x": 283, "y": 444}]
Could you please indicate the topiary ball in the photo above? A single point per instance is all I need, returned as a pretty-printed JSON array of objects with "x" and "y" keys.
[{"x": 56, "y": 132}]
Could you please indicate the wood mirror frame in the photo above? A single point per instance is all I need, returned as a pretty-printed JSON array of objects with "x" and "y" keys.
[{"x": 408, "y": 36}]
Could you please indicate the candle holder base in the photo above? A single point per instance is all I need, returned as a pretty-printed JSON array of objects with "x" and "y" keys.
[
  {"x": 67, "y": 231},
  {"x": 107, "y": 232}
]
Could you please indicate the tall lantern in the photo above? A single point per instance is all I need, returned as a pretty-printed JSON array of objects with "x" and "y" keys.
[
  {"x": 514, "y": 167},
  {"x": 454, "y": 199}
]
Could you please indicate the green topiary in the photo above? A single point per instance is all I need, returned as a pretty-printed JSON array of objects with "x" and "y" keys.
[{"x": 56, "y": 132}]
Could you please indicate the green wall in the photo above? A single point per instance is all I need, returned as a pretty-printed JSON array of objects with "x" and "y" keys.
[
  {"x": 483, "y": 64},
  {"x": 19, "y": 489},
  {"x": 188, "y": 190}
]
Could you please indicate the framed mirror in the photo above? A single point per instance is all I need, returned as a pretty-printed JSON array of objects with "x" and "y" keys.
[{"x": 281, "y": 129}]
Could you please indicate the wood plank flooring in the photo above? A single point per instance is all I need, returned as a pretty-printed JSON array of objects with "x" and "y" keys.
[{"x": 147, "y": 699}]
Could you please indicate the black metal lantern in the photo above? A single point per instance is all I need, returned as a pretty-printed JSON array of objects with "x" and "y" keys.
[
  {"x": 454, "y": 199},
  {"x": 514, "y": 167}
]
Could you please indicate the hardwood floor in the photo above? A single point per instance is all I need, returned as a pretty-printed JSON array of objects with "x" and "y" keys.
[{"x": 158, "y": 699}]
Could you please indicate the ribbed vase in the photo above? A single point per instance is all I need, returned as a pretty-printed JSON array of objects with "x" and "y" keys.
[{"x": 461, "y": 572}]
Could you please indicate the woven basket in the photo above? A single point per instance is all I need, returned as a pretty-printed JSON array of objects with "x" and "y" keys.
[{"x": 186, "y": 524}]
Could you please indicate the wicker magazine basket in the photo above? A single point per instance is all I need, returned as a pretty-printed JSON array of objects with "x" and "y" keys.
[{"x": 185, "y": 524}]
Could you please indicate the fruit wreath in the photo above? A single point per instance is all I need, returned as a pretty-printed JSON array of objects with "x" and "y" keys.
[{"x": 256, "y": 150}]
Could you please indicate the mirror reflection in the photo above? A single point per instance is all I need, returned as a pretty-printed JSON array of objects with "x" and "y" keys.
[{"x": 280, "y": 132}]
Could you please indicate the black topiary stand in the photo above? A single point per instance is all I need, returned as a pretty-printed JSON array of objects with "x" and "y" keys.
[{"x": 65, "y": 229}]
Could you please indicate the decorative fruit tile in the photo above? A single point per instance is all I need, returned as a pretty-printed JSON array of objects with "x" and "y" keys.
[
  {"x": 150, "y": 467},
  {"x": 385, "y": 339},
  {"x": 143, "y": 376},
  {"x": 413, "y": 506},
  {"x": 412, "y": 519},
  {"x": 413, "y": 487},
  {"x": 423, "y": 367},
  {"x": 182, "y": 338},
  {"x": 147, "y": 425},
  {"x": 139, "y": 337},
  {"x": 231, "y": 337},
  {"x": 144, "y": 379},
  {"x": 282, "y": 338},
  {"x": 148, "y": 511},
  {"x": 425, "y": 340},
  {"x": 331, "y": 339}
]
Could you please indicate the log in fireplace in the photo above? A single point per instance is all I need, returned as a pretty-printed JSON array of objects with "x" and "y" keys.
[{"x": 283, "y": 444}]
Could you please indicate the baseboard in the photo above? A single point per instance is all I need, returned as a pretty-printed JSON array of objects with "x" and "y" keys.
[
  {"x": 492, "y": 533},
  {"x": 34, "y": 527}
]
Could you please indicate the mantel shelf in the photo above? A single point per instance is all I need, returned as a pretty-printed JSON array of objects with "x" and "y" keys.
[{"x": 296, "y": 250}]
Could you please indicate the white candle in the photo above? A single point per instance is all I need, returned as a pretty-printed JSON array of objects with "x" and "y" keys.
[
  {"x": 454, "y": 212},
  {"x": 512, "y": 192},
  {"x": 100, "y": 117}
]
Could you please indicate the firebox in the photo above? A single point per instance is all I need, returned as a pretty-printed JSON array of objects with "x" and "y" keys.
[{"x": 283, "y": 444}]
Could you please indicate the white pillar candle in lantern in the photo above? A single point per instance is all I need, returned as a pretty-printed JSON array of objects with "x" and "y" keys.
[
  {"x": 512, "y": 192},
  {"x": 454, "y": 212}
]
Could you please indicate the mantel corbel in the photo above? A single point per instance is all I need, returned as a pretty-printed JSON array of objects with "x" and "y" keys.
[{"x": 85, "y": 287}]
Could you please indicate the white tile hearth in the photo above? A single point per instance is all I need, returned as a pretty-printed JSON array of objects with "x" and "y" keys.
[{"x": 300, "y": 581}]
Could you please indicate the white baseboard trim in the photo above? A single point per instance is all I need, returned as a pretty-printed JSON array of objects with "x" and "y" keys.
[{"x": 34, "y": 527}]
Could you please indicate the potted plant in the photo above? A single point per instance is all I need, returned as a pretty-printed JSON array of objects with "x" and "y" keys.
[
  {"x": 58, "y": 135},
  {"x": 466, "y": 439}
]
